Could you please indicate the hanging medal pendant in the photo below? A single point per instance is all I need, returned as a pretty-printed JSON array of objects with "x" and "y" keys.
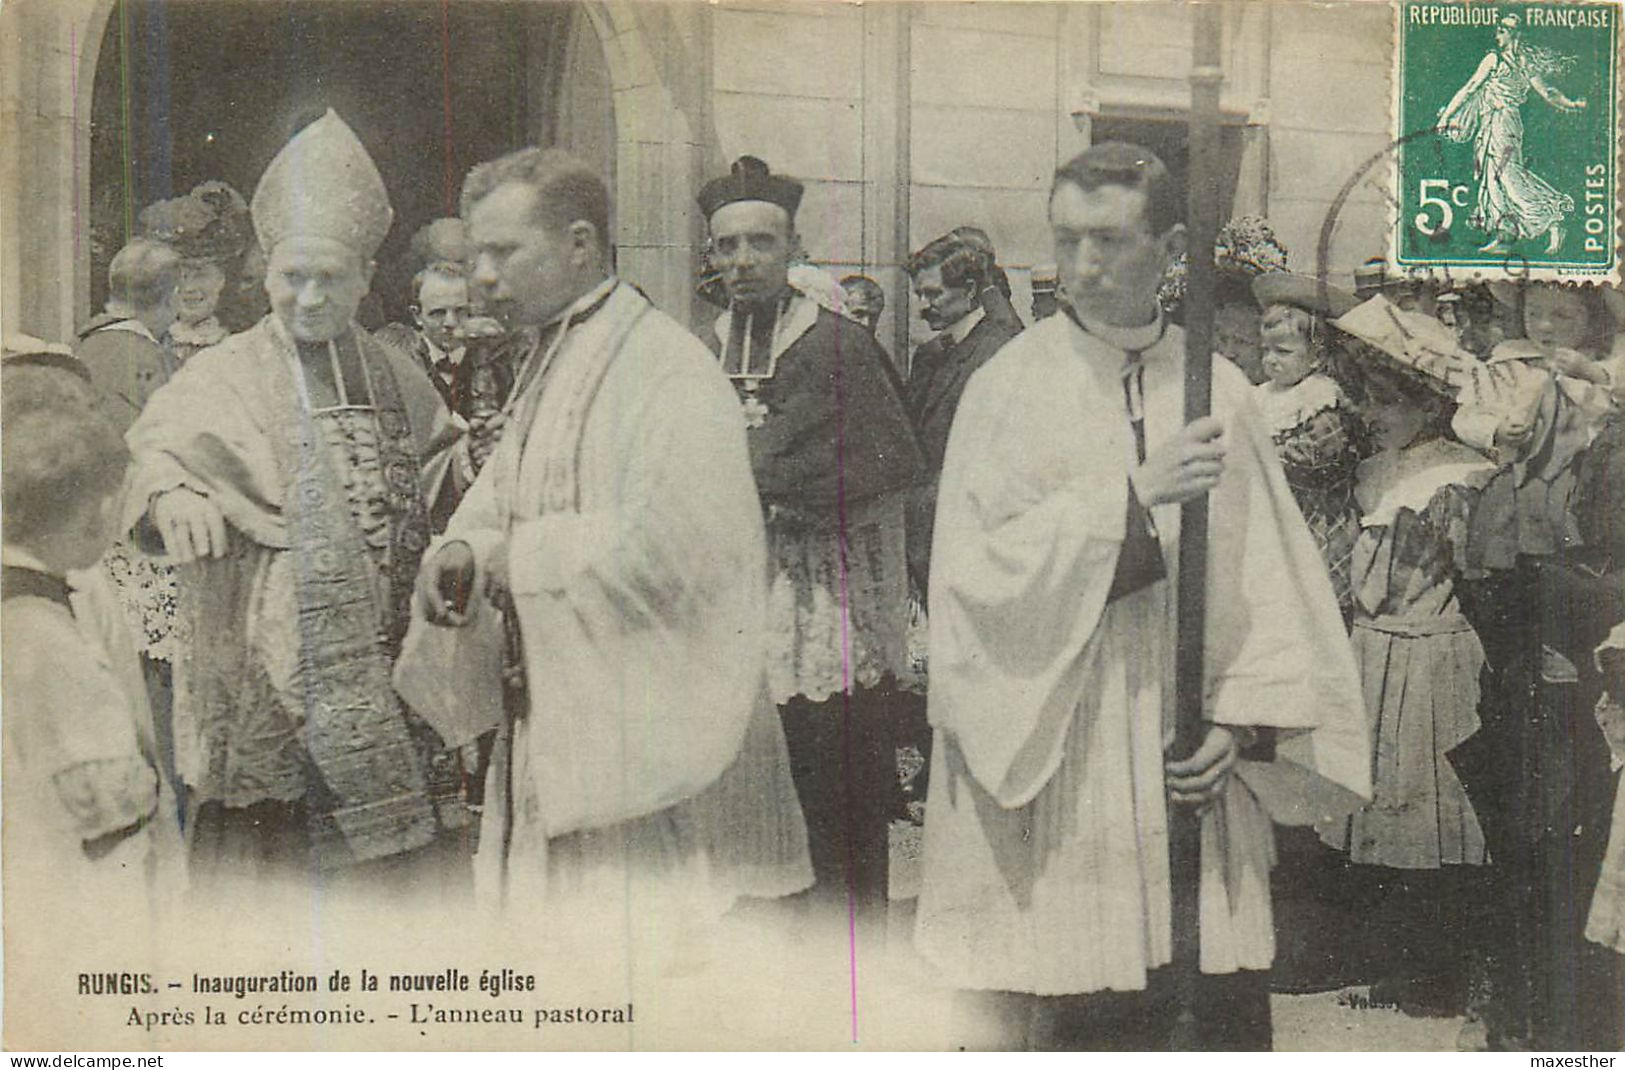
[{"x": 750, "y": 376}]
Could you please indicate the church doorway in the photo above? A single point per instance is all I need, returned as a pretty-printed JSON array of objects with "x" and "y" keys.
[{"x": 191, "y": 90}]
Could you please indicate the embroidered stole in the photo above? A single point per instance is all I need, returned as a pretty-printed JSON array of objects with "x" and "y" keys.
[
  {"x": 373, "y": 791},
  {"x": 561, "y": 444}
]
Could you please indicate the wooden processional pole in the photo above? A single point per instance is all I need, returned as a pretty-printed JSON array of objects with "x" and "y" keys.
[{"x": 1202, "y": 179}]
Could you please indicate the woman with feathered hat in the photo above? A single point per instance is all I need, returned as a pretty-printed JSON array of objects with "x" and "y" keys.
[{"x": 209, "y": 228}]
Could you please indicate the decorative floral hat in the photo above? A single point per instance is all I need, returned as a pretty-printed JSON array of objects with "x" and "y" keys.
[
  {"x": 1245, "y": 248},
  {"x": 209, "y": 223}
]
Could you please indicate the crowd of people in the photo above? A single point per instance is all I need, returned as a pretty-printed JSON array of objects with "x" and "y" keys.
[{"x": 540, "y": 597}]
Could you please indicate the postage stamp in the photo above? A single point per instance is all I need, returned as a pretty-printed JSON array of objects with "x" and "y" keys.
[{"x": 1508, "y": 139}]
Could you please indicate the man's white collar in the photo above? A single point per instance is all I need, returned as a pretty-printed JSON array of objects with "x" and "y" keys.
[
  {"x": 1125, "y": 338},
  {"x": 436, "y": 353},
  {"x": 800, "y": 315},
  {"x": 586, "y": 300},
  {"x": 134, "y": 326}
]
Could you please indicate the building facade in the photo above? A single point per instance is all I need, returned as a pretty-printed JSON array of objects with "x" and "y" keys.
[{"x": 903, "y": 119}]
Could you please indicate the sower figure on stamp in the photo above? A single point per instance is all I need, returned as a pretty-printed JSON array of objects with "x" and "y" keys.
[
  {"x": 1513, "y": 202},
  {"x": 289, "y": 471},
  {"x": 1046, "y": 867},
  {"x": 833, "y": 456},
  {"x": 616, "y": 530}
]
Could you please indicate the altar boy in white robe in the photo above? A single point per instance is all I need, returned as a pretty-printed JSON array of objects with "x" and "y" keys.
[{"x": 1046, "y": 869}]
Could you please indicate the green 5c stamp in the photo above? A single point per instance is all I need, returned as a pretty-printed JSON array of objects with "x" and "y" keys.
[{"x": 1508, "y": 146}]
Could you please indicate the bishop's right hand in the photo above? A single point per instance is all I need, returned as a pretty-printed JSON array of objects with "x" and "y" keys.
[
  {"x": 445, "y": 587},
  {"x": 191, "y": 525},
  {"x": 1185, "y": 467}
]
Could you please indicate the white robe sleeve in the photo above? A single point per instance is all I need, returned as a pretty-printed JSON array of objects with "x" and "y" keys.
[
  {"x": 1030, "y": 526},
  {"x": 452, "y": 677},
  {"x": 642, "y": 611},
  {"x": 1025, "y": 548},
  {"x": 1277, "y": 654}
]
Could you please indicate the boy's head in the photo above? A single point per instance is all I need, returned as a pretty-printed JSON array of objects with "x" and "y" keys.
[
  {"x": 65, "y": 466},
  {"x": 1293, "y": 328},
  {"x": 142, "y": 281},
  {"x": 1560, "y": 317},
  {"x": 1290, "y": 338}
]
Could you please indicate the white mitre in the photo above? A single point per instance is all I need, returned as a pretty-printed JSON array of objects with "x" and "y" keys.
[{"x": 323, "y": 184}]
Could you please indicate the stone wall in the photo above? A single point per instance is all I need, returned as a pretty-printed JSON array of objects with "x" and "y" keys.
[
  {"x": 981, "y": 101},
  {"x": 48, "y": 54},
  {"x": 1329, "y": 104}
]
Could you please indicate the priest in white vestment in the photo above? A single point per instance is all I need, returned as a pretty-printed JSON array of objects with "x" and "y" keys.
[
  {"x": 1046, "y": 868},
  {"x": 618, "y": 522}
]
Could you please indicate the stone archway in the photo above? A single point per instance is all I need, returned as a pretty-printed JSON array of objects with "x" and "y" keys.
[
  {"x": 48, "y": 51},
  {"x": 659, "y": 62}
]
